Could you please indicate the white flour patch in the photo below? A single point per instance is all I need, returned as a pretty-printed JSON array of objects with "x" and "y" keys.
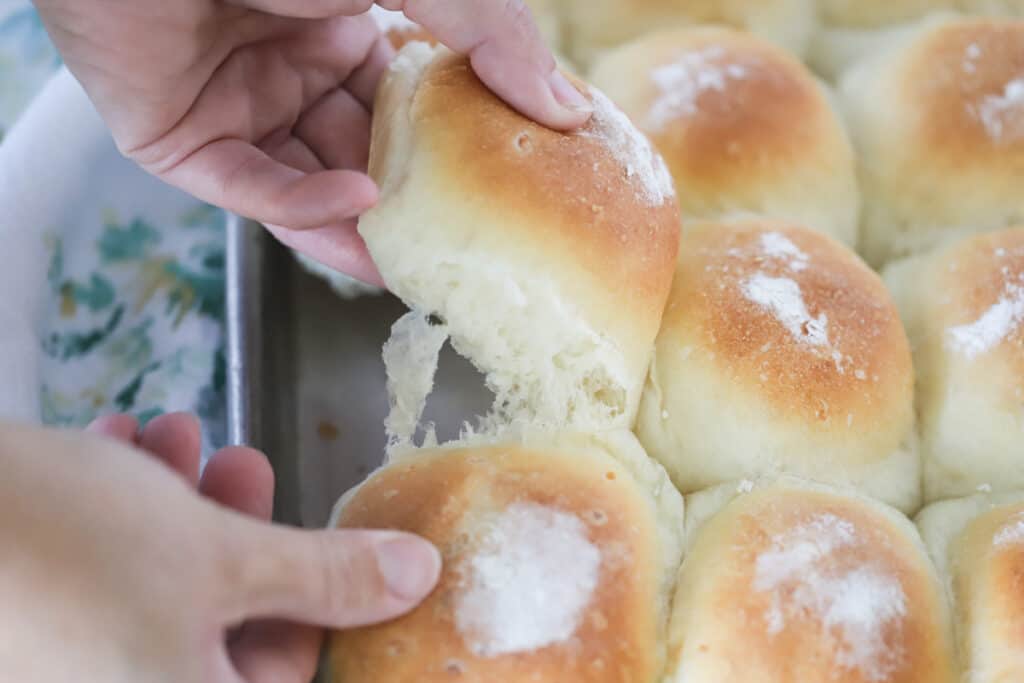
[
  {"x": 777, "y": 246},
  {"x": 682, "y": 81},
  {"x": 992, "y": 328},
  {"x": 783, "y": 299},
  {"x": 1012, "y": 533},
  {"x": 643, "y": 166},
  {"x": 971, "y": 54},
  {"x": 1003, "y": 115},
  {"x": 854, "y": 605},
  {"x": 529, "y": 582}
]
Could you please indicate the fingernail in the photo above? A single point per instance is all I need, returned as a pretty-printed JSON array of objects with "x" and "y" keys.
[
  {"x": 567, "y": 94},
  {"x": 410, "y": 567}
]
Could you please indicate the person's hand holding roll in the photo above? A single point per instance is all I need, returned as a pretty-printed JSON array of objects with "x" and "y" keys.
[{"x": 262, "y": 107}]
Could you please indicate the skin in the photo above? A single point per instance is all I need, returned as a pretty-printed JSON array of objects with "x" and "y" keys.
[
  {"x": 131, "y": 567},
  {"x": 263, "y": 107}
]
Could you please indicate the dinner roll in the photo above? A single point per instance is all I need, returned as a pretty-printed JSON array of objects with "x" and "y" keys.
[
  {"x": 559, "y": 564},
  {"x": 791, "y": 582},
  {"x": 978, "y": 544},
  {"x": 547, "y": 256},
  {"x": 593, "y": 26},
  {"x": 938, "y": 120},
  {"x": 780, "y": 353},
  {"x": 719, "y": 104},
  {"x": 963, "y": 307}
]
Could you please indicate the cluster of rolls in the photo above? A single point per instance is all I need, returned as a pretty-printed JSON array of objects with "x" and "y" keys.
[{"x": 793, "y": 298}]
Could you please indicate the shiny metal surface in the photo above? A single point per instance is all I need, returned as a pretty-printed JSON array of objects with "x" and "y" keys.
[{"x": 306, "y": 382}]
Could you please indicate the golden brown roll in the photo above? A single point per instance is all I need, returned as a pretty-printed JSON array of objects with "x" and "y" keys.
[
  {"x": 780, "y": 353},
  {"x": 791, "y": 582},
  {"x": 978, "y": 545},
  {"x": 963, "y": 307},
  {"x": 937, "y": 118},
  {"x": 548, "y": 256},
  {"x": 720, "y": 106},
  {"x": 559, "y": 563},
  {"x": 593, "y": 26}
]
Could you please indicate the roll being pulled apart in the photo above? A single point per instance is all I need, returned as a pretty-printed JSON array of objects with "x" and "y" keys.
[
  {"x": 560, "y": 556},
  {"x": 547, "y": 257},
  {"x": 781, "y": 352}
]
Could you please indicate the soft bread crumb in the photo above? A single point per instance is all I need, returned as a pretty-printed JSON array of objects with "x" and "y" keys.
[{"x": 410, "y": 361}]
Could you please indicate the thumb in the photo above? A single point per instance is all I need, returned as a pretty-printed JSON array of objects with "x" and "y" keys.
[{"x": 335, "y": 579}]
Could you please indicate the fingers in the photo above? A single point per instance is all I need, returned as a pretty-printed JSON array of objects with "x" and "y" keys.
[
  {"x": 174, "y": 439},
  {"x": 500, "y": 36},
  {"x": 336, "y": 246},
  {"x": 507, "y": 52},
  {"x": 337, "y": 129},
  {"x": 335, "y": 579},
  {"x": 237, "y": 176},
  {"x": 362, "y": 82},
  {"x": 241, "y": 479},
  {"x": 276, "y": 652},
  {"x": 307, "y": 9},
  {"x": 123, "y": 428}
]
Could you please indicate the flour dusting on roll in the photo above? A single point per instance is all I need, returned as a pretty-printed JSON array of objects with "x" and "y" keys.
[
  {"x": 529, "y": 583},
  {"x": 794, "y": 581}
]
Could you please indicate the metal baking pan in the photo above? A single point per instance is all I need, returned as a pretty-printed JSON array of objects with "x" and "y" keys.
[{"x": 306, "y": 382}]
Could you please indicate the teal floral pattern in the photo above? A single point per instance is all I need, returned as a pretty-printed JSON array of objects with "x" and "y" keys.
[
  {"x": 135, "y": 324},
  {"x": 135, "y": 318}
]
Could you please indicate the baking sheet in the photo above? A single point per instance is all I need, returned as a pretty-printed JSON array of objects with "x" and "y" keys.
[{"x": 306, "y": 382}]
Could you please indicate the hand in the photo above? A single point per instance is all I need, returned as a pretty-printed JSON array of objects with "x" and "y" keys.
[
  {"x": 263, "y": 107},
  {"x": 114, "y": 570}
]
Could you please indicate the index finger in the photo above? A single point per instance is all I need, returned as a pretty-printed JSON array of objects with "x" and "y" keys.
[{"x": 507, "y": 52}]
